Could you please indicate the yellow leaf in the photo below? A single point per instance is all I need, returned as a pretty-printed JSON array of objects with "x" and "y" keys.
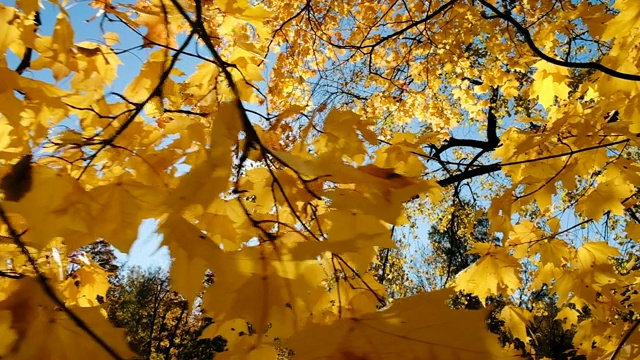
[
  {"x": 70, "y": 137},
  {"x": 350, "y": 234},
  {"x": 193, "y": 254},
  {"x": 202, "y": 185},
  {"x": 552, "y": 251},
  {"x": 263, "y": 284},
  {"x": 417, "y": 327},
  {"x": 55, "y": 206},
  {"x": 248, "y": 348},
  {"x": 516, "y": 320},
  {"x": 254, "y": 14},
  {"x": 205, "y": 74},
  {"x": 9, "y": 35},
  {"x": 152, "y": 15},
  {"x": 111, "y": 38},
  {"x": 125, "y": 203},
  {"x": 349, "y": 298},
  {"x": 86, "y": 286},
  {"x": 341, "y": 136},
  {"x": 244, "y": 10},
  {"x": 568, "y": 317},
  {"x": 29, "y": 6},
  {"x": 290, "y": 111},
  {"x": 595, "y": 253},
  {"x": 46, "y": 332},
  {"x": 227, "y": 224},
  {"x": 633, "y": 230},
  {"x": 7, "y": 334},
  {"x": 627, "y": 20},
  {"x": 606, "y": 196},
  {"x": 546, "y": 274},
  {"x": 495, "y": 273},
  {"x": 140, "y": 88},
  {"x": 549, "y": 83},
  {"x": 231, "y": 330}
]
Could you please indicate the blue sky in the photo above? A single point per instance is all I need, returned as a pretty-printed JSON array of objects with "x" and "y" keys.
[{"x": 146, "y": 250}]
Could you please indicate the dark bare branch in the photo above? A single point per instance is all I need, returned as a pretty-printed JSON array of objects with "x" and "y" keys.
[{"x": 569, "y": 64}]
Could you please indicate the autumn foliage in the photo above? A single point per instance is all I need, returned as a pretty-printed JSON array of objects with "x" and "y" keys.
[{"x": 283, "y": 144}]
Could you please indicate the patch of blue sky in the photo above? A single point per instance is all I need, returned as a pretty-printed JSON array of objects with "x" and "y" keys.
[{"x": 146, "y": 251}]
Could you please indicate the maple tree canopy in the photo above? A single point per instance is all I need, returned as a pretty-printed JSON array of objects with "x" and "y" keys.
[{"x": 280, "y": 144}]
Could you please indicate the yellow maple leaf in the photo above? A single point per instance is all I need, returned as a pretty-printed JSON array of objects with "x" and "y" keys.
[
  {"x": 625, "y": 21},
  {"x": 341, "y": 137},
  {"x": 232, "y": 330},
  {"x": 549, "y": 83},
  {"x": 227, "y": 224},
  {"x": 141, "y": 87},
  {"x": 351, "y": 297},
  {"x": 516, "y": 320},
  {"x": 552, "y": 251},
  {"x": 595, "y": 253},
  {"x": 606, "y": 196},
  {"x": 268, "y": 287},
  {"x": 70, "y": 137},
  {"x": 55, "y": 206},
  {"x": 86, "y": 286},
  {"x": 633, "y": 230},
  {"x": 546, "y": 274},
  {"x": 248, "y": 348},
  {"x": 350, "y": 234},
  {"x": 7, "y": 335},
  {"x": 46, "y": 332},
  {"x": 10, "y": 34},
  {"x": 193, "y": 253},
  {"x": 256, "y": 15},
  {"x": 376, "y": 191},
  {"x": 202, "y": 185},
  {"x": 421, "y": 326},
  {"x": 568, "y": 317},
  {"x": 494, "y": 273},
  {"x": 125, "y": 202}
]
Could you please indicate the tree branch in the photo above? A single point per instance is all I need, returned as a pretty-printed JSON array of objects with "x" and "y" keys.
[
  {"x": 487, "y": 169},
  {"x": 138, "y": 107},
  {"x": 453, "y": 179},
  {"x": 11, "y": 274},
  {"x": 26, "y": 58},
  {"x": 492, "y": 136},
  {"x": 569, "y": 64},
  {"x": 492, "y": 121}
]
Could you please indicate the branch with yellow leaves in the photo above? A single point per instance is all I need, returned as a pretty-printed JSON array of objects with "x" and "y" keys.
[
  {"x": 139, "y": 106},
  {"x": 569, "y": 64},
  {"x": 487, "y": 169},
  {"x": 626, "y": 337},
  {"x": 49, "y": 291},
  {"x": 252, "y": 140}
]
